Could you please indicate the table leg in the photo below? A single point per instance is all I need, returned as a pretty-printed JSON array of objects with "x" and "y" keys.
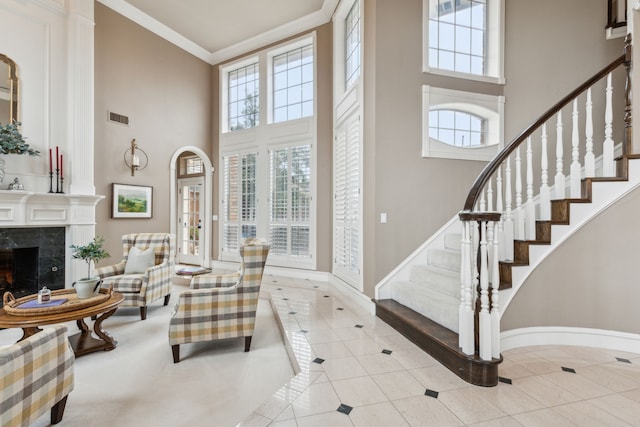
[
  {"x": 97, "y": 327},
  {"x": 82, "y": 325},
  {"x": 27, "y": 332},
  {"x": 83, "y": 343}
]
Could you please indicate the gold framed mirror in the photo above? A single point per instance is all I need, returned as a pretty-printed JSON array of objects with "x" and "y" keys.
[{"x": 8, "y": 90}]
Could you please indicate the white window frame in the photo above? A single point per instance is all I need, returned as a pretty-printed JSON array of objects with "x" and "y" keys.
[
  {"x": 261, "y": 139},
  {"x": 488, "y": 107},
  {"x": 494, "y": 72},
  {"x": 224, "y": 90}
]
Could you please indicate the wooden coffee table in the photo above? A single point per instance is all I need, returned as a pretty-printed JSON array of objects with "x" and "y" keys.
[{"x": 82, "y": 342}]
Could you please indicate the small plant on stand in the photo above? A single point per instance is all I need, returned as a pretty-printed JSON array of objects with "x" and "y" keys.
[{"x": 91, "y": 252}]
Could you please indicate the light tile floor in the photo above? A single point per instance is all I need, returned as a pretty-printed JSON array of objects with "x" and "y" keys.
[{"x": 355, "y": 370}]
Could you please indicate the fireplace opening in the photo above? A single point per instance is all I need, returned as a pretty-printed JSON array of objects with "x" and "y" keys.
[{"x": 19, "y": 271}]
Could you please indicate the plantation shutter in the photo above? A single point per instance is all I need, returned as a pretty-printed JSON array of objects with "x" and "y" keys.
[{"x": 239, "y": 204}]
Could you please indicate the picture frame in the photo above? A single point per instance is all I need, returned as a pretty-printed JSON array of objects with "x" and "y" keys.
[{"x": 131, "y": 201}]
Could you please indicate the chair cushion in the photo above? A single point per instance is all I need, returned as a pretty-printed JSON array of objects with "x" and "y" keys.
[
  {"x": 138, "y": 260},
  {"x": 124, "y": 283}
]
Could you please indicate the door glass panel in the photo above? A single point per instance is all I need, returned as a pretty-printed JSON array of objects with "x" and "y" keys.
[{"x": 191, "y": 220}]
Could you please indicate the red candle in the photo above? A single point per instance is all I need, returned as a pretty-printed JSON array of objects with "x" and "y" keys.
[
  {"x": 57, "y": 156},
  {"x": 61, "y": 174},
  {"x": 50, "y": 161}
]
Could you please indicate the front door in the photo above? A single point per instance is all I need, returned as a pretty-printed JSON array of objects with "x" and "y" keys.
[{"x": 190, "y": 225}]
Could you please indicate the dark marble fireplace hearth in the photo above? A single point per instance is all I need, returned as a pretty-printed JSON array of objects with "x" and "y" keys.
[{"x": 31, "y": 258}]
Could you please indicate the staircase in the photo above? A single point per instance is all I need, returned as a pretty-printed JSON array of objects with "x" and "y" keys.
[{"x": 448, "y": 296}]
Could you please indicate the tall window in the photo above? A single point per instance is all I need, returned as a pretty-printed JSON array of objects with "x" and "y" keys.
[
  {"x": 290, "y": 201},
  {"x": 457, "y": 128},
  {"x": 457, "y": 35},
  {"x": 293, "y": 84},
  {"x": 243, "y": 97},
  {"x": 352, "y": 45},
  {"x": 239, "y": 200}
]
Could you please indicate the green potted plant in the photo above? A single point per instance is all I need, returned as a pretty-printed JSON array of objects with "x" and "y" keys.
[
  {"x": 91, "y": 252},
  {"x": 12, "y": 142}
]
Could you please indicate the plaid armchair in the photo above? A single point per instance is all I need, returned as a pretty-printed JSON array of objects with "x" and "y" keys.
[
  {"x": 141, "y": 289},
  {"x": 37, "y": 376},
  {"x": 218, "y": 307}
]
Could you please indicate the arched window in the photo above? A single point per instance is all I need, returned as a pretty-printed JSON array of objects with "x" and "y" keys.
[{"x": 457, "y": 128}]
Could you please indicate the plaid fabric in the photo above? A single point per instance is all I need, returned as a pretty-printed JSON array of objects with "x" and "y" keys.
[
  {"x": 140, "y": 290},
  {"x": 36, "y": 374},
  {"x": 226, "y": 309}
]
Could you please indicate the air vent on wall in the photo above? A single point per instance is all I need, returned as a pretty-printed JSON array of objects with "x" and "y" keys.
[{"x": 118, "y": 118}]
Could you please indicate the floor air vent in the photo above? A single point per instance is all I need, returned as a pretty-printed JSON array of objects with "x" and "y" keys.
[{"x": 118, "y": 118}]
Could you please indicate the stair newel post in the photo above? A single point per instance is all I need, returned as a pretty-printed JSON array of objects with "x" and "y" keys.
[
  {"x": 589, "y": 158},
  {"x": 608, "y": 164},
  {"x": 499, "y": 236},
  {"x": 575, "y": 154},
  {"x": 508, "y": 213},
  {"x": 519, "y": 214},
  {"x": 465, "y": 319},
  {"x": 530, "y": 207},
  {"x": 559, "y": 178},
  {"x": 495, "y": 305},
  {"x": 545, "y": 196}
]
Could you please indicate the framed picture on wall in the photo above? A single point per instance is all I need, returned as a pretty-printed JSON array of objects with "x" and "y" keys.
[{"x": 131, "y": 201}]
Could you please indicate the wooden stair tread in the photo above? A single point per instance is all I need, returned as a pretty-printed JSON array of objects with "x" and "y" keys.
[{"x": 441, "y": 343}]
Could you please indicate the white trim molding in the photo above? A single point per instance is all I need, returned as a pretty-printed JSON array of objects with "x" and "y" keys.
[{"x": 560, "y": 335}]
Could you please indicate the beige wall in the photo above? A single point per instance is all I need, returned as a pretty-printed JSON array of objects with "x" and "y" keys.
[{"x": 166, "y": 93}]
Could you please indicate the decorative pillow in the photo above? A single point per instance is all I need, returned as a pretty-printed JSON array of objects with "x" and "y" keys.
[{"x": 138, "y": 260}]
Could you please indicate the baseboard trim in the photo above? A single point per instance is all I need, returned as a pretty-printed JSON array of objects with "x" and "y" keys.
[
  {"x": 352, "y": 294},
  {"x": 586, "y": 337}
]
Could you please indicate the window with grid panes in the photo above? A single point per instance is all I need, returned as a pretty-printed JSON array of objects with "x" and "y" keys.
[
  {"x": 243, "y": 97},
  {"x": 457, "y": 35},
  {"x": 293, "y": 84},
  {"x": 352, "y": 45},
  {"x": 290, "y": 201},
  {"x": 239, "y": 190},
  {"x": 457, "y": 128}
]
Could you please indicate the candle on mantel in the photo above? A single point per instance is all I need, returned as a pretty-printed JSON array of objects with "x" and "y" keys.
[
  {"x": 57, "y": 158},
  {"x": 61, "y": 163},
  {"x": 50, "y": 162}
]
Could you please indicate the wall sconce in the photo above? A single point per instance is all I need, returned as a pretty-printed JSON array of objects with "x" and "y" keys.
[{"x": 132, "y": 158}]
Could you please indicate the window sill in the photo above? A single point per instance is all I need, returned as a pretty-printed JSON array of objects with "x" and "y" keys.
[{"x": 465, "y": 76}]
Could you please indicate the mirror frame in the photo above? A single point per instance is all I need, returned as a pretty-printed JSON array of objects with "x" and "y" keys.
[{"x": 13, "y": 89}]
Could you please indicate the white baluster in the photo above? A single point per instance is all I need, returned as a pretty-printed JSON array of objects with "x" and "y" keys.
[
  {"x": 500, "y": 208},
  {"x": 519, "y": 214},
  {"x": 530, "y": 207},
  {"x": 608, "y": 164},
  {"x": 482, "y": 204},
  {"x": 465, "y": 293},
  {"x": 545, "y": 195},
  {"x": 508, "y": 214},
  {"x": 495, "y": 306},
  {"x": 589, "y": 158},
  {"x": 490, "y": 195},
  {"x": 559, "y": 179},
  {"x": 576, "y": 193},
  {"x": 484, "y": 316}
]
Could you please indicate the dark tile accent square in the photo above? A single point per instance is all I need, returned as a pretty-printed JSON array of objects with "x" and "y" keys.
[
  {"x": 573, "y": 371},
  {"x": 431, "y": 393},
  {"x": 279, "y": 289},
  {"x": 292, "y": 312},
  {"x": 385, "y": 351},
  {"x": 505, "y": 380},
  {"x": 326, "y": 296},
  {"x": 285, "y": 299},
  {"x": 303, "y": 331},
  {"x": 339, "y": 308},
  {"x": 316, "y": 286},
  {"x": 359, "y": 326},
  {"x": 620, "y": 359},
  {"x": 318, "y": 360},
  {"x": 344, "y": 409}
]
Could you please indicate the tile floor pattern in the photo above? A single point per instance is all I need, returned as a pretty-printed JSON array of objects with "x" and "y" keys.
[{"x": 355, "y": 370}]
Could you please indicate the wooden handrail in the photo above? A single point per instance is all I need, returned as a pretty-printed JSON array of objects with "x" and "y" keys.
[{"x": 493, "y": 166}]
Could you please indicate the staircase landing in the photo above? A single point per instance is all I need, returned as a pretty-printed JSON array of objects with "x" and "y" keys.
[{"x": 440, "y": 342}]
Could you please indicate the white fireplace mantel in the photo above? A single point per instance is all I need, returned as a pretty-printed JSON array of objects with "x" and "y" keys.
[{"x": 29, "y": 209}]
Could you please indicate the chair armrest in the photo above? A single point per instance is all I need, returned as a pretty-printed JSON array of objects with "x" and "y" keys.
[
  {"x": 111, "y": 270},
  {"x": 36, "y": 373},
  {"x": 156, "y": 277},
  {"x": 212, "y": 281}
]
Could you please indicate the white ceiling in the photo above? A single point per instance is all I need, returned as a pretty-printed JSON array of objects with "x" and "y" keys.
[{"x": 216, "y": 30}]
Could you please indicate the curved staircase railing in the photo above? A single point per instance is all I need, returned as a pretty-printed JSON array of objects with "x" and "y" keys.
[{"x": 493, "y": 226}]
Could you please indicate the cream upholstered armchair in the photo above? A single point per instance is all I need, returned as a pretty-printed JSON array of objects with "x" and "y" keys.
[
  {"x": 145, "y": 272},
  {"x": 37, "y": 376},
  {"x": 220, "y": 306}
]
